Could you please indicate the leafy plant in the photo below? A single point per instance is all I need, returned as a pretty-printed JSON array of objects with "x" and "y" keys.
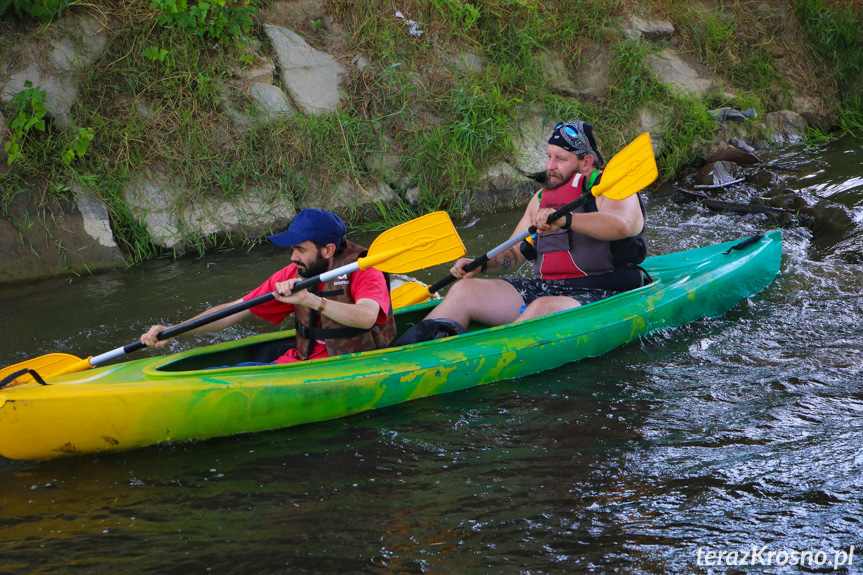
[
  {"x": 30, "y": 111},
  {"x": 29, "y": 107},
  {"x": 156, "y": 54},
  {"x": 79, "y": 145},
  {"x": 223, "y": 20},
  {"x": 46, "y": 10}
]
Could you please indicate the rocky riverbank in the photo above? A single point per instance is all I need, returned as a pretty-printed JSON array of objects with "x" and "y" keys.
[{"x": 303, "y": 61}]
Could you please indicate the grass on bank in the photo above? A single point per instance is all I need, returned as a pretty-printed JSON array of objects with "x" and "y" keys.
[
  {"x": 835, "y": 32},
  {"x": 155, "y": 98}
]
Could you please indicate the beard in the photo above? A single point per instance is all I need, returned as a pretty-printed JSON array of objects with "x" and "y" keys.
[
  {"x": 555, "y": 179},
  {"x": 315, "y": 268}
]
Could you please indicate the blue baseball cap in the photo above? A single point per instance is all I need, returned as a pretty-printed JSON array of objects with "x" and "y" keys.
[{"x": 312, "y": 225}]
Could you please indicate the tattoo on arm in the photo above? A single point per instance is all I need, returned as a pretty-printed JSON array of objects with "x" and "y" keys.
[{"x": 505, "y": 261}]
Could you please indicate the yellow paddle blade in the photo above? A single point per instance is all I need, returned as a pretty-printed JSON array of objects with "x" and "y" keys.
[
  {"x": 46, "y": 366},
  {"x": 426, "y": 241},
  {"x": 409, "y": 293},
  {"x": 629, "y": 171}
]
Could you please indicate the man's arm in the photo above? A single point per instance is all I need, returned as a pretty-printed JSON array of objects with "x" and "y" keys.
[
  {"x": 508, "y": 260},
  {"x": 150, "y": 338},
  {"x": 613, "y": 220},
  {"x": 362, "y": 314}
]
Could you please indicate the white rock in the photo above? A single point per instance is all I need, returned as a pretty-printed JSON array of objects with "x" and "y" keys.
[
  {"x": 648, "y": 27},
  {"x": 97, "y": 222},
  {"x": 151, "y": 199},
  {"x": 312, "y": 77},
  {"x": 76, "y": 42},
  {"x": 271, "y": 100}
]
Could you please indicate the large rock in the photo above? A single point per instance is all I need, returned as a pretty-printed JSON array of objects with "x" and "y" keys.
[
  {"x": 151, "y": 198},
  {"x": 531, "y": 142},
  {"x": 591, "y": 78},
  {"x": 69, "y": 237},
  {"x": 76, "y": 42},
  {"x": 784, "y": 127},
  {"x": 293, "y": 12},
  {"x": 501, "y": 188},
  {"x": 262, "y": 72},
  {"x": 271, "y": 101},
  {"x": 654, "y": 121},
  {"x": 241, "y": 121},
  {"x": 648, "y": 27},
  {"x": 60, "y": 92},
  {"x": 253, "y": 215},
  {"x": 718, "y": 174},
  {"x": 722, "y": 151},
  {"x": 556, "y": 75},
  {"x": 177, "y": 223},
  {"x": 95, "y": 217},
  {"x": 670, "y": 69},
  {"x": 313, "y": 78},
  {"x": 469, "y": 62},
  {"x": 347, "y": 196},
  {"x": 387, "y": 161}
]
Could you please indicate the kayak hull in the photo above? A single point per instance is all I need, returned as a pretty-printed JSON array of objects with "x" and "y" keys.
[{"x": 170, "y": 398}]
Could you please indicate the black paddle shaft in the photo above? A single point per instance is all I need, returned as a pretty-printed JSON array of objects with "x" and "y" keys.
[
  {"x": 215, "y": 316},
  {"x": 477, "y": 262}
]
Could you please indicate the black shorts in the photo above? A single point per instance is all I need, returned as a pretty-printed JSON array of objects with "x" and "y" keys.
[{"x": 532, "y": 289}]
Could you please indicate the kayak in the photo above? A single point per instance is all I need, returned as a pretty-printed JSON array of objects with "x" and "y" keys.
[{"x": 187, "y": 396}]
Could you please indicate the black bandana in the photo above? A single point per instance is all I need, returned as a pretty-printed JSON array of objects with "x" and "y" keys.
[{"x": 577, "y": 138}]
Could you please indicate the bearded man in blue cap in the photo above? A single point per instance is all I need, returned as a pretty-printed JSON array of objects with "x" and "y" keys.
[{"x": 349, "y": 314}]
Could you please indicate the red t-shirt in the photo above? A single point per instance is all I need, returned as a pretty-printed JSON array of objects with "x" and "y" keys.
[{"x": 365, "y": 284}]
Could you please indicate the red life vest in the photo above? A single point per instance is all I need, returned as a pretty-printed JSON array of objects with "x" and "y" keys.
[
  {"x": 565, "y": 254},
  {"x": 340, "y": 339}
]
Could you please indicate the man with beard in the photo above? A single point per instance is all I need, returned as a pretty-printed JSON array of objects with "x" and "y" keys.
[
  {"x": 348, "y": 314},
  {"x": 580, "y": 258}
]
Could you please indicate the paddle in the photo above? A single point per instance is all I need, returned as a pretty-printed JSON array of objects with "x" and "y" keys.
[
  {"x": 630, "y": 170},
  {"x": 426, "y": 241}
]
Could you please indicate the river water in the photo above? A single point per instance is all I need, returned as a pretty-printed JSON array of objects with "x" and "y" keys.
[{"x": 730, "y": 435}]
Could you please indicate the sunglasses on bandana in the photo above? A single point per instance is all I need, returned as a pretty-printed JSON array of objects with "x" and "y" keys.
[{"x": 575, "y": 138}]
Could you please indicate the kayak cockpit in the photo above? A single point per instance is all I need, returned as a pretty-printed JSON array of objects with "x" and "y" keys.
[
  {"x": 265, "y": 348},
  {"x": 224, "y": 355}
]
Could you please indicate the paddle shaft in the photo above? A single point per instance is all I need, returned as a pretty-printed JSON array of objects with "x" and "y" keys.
[
  {"x": 222, "y": 313},
  {"x": 518, "y": 238}
]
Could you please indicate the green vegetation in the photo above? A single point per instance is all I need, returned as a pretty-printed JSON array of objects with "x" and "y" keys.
[
  {"x": 713, "y": 35},
  {"x": 28, "y": 108},
  {"x": 45, "y": 10},
  {"x": 225, "y": 21},
  {"x": 157, "y": 97},
  {"x": 835, "y": 31}
]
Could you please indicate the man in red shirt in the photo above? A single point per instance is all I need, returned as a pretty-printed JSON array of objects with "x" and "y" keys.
[{"x": 348, "y": 314}]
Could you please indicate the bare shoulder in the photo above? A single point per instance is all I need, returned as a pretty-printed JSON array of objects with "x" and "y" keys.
[
  {"x": 630, "y": 204},
  {"x": 627, "y": 210}
]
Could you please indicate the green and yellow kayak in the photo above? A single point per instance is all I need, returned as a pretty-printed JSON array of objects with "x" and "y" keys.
[{"x": 174, "y": 398}]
